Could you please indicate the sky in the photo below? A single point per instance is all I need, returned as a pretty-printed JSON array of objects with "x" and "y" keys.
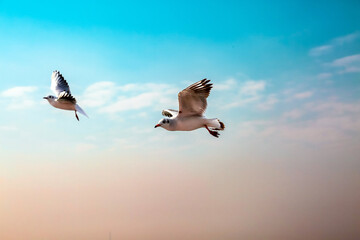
[{"x": 286, "y": 81}]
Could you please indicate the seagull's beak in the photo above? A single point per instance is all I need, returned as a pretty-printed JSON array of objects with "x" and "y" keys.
[
  {"x": 45, "y": 97},
  {"x": 157, "y": 125}
]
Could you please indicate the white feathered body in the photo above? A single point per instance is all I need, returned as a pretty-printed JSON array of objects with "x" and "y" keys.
[
  {"x": 63, "y": 105},
  {"x": 191, "y": 123}
]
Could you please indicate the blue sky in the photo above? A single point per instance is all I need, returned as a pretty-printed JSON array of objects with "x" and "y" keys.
[{"x": 286, "y": 84}]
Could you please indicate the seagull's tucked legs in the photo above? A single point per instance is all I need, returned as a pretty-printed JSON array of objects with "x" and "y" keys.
[
  {"x": 77, "y": 117},
  {"x": 214, "y": 133}
]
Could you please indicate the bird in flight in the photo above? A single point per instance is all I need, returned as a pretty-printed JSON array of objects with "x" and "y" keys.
[
  {"x": 63, "y": 99},
  {"x": 192, "y": 106}
]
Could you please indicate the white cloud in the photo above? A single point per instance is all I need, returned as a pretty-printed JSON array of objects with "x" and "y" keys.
[
  {"x": 334, "y": 107},
  {"x": 21, "y": 104},
  {"x": 129, "y": 87},
  {"x": 324, "y": 75},
  {"x": 249, "y": 92},
  {"x": 139, "y": 87},
  {"x": 131, "y": 103},
  {"x": 98, "y": 94},
  {"x": 326, "y": 122},
  {"x": 346, "y": 60},
  {"x": 250, "y": 128},
  {"x": 252, "y": 88},
  {"x": 112, "y": 98},
  {"x": 317, "y": 51},
  {"x": 18, "y": 91},
  {"x": 18, "y": 97},
  {"x": 321, "y": 130},
  {"x": 150, "y": 96},
  {"x": 324, "y": 49},
  {"x": 227, "y": 85},
  {"x": 269, "y": 103},
  {"x": 346, "y": 39},
  {"x": 303, "y": 95},
  {"x": 348, "y": 63}
]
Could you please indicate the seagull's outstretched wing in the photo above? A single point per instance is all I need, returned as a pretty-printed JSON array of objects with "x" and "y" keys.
[
  {"x": 170, "y": 113},
  {"x": 192, "y": 100},
  {"x": 59, "y": 84},
  {"x": 61, "y": 88}
]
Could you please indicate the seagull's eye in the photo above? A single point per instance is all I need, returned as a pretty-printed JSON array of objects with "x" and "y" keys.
[{"x": 163, "y": 121}]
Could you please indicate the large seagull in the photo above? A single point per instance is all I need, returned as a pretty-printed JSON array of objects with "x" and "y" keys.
[
  {"x": 63, "y": 100},
  {"x": 192, "y": 106}
]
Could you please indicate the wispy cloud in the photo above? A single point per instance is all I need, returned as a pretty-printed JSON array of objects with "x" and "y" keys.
[
  {"x": 226, "y": 85},
  {"x": 324, "y": 75},
  {"x": 346, "y": 60},
  {"x": 324, "y": 49},
  {"x": 18, "y": 91},
  {"x": 18, "y": 97},
  {"x": 346, "y": 39},
  {"x": 249, "y": 92},
  {"x": 252, "y": 88},
  {"x": 98, "y": 94},
  {"x": 141, "y": 87},
  {"x": 317, "y": 51},
  {"x": 269, "y": 103},
  {"x": 132, "y": 103},
  {"x": 348, "y": 64},
  {"x": 321, "y": 130},
  {"x": 335, "y": 107},
  {"x": 321, "y": 122},
  {"x": 303, "y": 95},
  {"x": 112, "y": 98}
]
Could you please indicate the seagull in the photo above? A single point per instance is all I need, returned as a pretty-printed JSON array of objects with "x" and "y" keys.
[
  {"x": 64, "y": 99},
  {"x": 192, "y": 106}
]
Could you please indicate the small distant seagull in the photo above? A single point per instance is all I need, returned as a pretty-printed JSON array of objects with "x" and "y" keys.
[
  {"x": 64, "y": 99},
  {"x": 192, "y": 105}
]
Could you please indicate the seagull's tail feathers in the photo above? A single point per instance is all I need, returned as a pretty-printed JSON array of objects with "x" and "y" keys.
[
  {"x": 80, "y": 110},
  {"x": 216, "y": 124}
]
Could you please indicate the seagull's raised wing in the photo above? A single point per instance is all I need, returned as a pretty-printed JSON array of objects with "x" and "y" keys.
[
  {"x": 59, "y": 84},
  {"x": 61, "y": 88},
  {"x": 170, "y": 113},
  {"x": 192, "y": 100}
]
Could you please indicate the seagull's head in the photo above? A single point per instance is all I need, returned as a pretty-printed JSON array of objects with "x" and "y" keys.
[
  {"x": 164, "y": 123},
  {"x": 50, "y": 98}
]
